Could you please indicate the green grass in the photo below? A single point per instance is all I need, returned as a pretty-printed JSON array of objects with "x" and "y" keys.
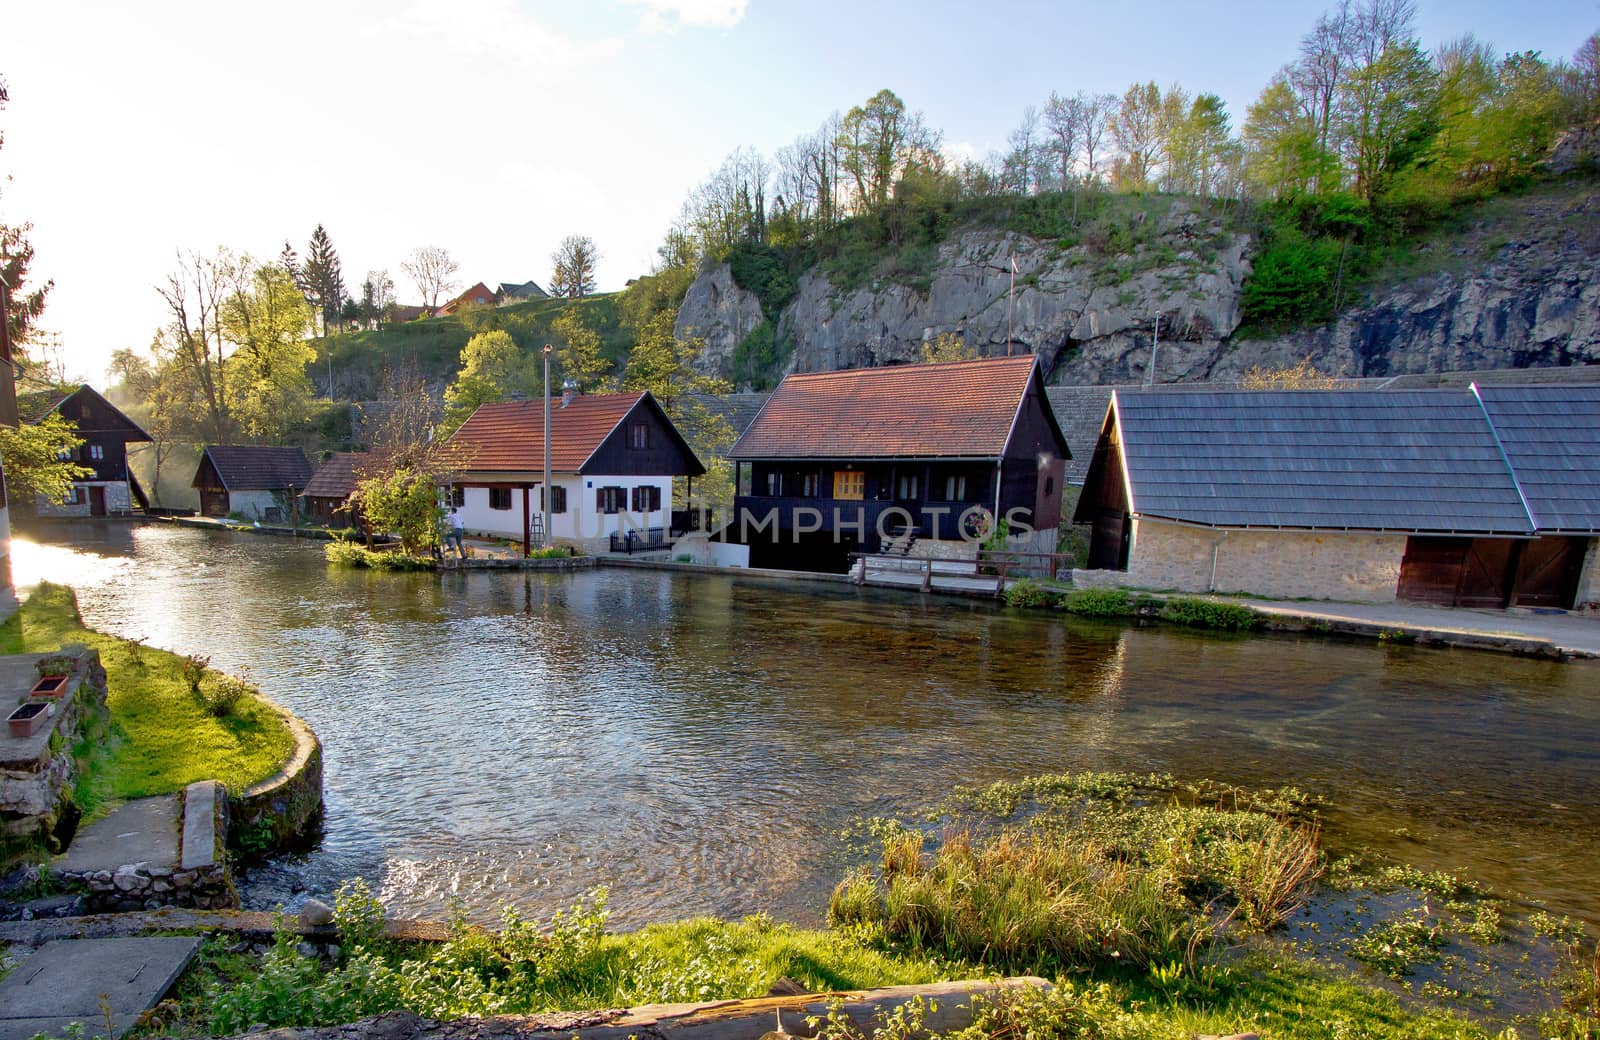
[{"x": 163, "y": 737}]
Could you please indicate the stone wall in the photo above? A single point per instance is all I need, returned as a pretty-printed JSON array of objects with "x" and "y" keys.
[
  {"x": 1589, "y": 580},
  {"x": 36, "y": 774},
  {"x": 119, "y": 500},
  {"x": 283, "y": 809},
  {"x": 200, "y": 880},
  {"x": 1357, "y": 568}
]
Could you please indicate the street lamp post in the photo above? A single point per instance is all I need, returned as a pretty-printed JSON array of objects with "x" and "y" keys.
[{"x": 545, "y": 493}]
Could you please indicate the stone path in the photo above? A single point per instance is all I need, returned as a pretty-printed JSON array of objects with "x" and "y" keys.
[
  {"x": 1575, "y": 635},
  {"x": 87, "y": 980},
  {"x": 141, "y": 831}
]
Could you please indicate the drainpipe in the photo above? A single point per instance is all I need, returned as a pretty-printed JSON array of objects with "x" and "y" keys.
[{"x": 1216, "y": 550}]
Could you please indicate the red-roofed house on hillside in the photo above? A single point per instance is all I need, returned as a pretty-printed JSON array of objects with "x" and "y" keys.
[
  {"x": 612, "y": 460},
  {"x": 254, "y": 482},
  {"x": 478, "y": 295},
  {"x": 859, "y": 460}
]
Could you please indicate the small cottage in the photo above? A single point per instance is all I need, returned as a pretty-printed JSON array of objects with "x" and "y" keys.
[
  {"x": 924, "y": 455},
  {"x": 613, "y": 458},
  {"x": 327, "y": 493},
  {"x": 251, "y": 482},
  {"x": 1477, "y": 497},
  {"x": 111, "y": 489}
]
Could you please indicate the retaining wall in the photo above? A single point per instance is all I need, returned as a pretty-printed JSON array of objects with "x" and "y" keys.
[{"x": 282, "y": 810}]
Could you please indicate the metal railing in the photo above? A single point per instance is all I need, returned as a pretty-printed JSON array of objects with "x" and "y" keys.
[
  {"x": 647, "y": 540},
  {"x": 929, "y": 568}
]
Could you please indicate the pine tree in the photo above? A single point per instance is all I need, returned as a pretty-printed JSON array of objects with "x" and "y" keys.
[{"x": 321, "y": 279}]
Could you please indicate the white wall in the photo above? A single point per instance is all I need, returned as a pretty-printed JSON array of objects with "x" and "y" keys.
[
  {"x": 252, "y": 505},
  {"x": 582, "y": 524}
]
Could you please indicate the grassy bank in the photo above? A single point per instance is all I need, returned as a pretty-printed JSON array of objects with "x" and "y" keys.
[
  {"x": 1159, "y": 910},
  {"x": 163, "y": 735}
]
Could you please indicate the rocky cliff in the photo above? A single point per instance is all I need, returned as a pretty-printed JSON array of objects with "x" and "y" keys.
[{"x": 1517, "y": 286}]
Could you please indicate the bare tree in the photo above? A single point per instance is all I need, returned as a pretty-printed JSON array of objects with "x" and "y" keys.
[
  {"x": 194, "y": 295},
  {"x": 1097, "y": 109},
  {"x": 1063, "y": 127},
  {"x": 574, "y": 261},
  {"x": 432, "y": 270}
]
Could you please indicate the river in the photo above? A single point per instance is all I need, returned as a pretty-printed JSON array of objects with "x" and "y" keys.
[{"x": 696, "y": 742}]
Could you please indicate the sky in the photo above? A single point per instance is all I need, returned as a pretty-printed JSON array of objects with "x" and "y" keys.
[{"x": 495, "y": 128}]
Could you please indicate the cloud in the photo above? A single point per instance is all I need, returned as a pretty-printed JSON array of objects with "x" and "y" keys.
[
  {"x": 496, "y": 30},
  {"x": 666, "y": 15}
]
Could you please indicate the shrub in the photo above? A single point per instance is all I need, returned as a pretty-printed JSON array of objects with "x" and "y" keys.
[
  {"x": 1205, "y": 613},
  {"x": 1030, "y": 593},
  {"x": 193, "y": 668},
  {"x": 349, "y": 554},
  {"x": 1105, "y": 603},
  {"x": 55, "y": 664},
  {"x": 223, "y": 694}
]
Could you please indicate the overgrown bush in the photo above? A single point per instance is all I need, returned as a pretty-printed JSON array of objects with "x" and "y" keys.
[
  {"x": 1205, "y": 613},
  {"x": 341, "y": 553},
  {"x": 1103, "y": 603},
  {"x": 764, "y": 271},
  {"x": 222, "y": 694},
  {"x": 1030, "y": 593}
]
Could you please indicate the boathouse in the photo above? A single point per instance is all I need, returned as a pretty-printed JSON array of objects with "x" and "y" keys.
[
  {"x": 912, "y": 456},
  {"x": 1476, "y": 497},
  {"x": 111, "y": 489},
  {"x": 251, "y": 482},
  {"x": 613, "y": 458}
]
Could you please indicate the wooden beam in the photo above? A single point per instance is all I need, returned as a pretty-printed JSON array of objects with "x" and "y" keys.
[{"x": 527, "y": 525}]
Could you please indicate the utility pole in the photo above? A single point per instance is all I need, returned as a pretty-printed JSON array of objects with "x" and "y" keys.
[
  {"x": 1155, "y": 340},
  {"x": 1011, "y": 304},
  {"x": 545, "y": 495}
]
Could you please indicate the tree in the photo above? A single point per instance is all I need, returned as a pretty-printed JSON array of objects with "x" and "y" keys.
[
  {"x": 193, "y": 342},
  {"x": 1021, "y": 166},
  {"x": 1388, "y": 108},
  {"x": 1136, "y": 128},
  {"x": 574, "y": 261},
  {"x": 1063, "y": 128},
  {"x": 1300, "y": 376},
  {"x": 159, "y": 400},
  {"x": 402, "y": 501},
  {"x": 947, "y": 346},
  {"x": 36, "y": 457},
  {"x": 377, "y": 301},
  {"x": 432, "y": 271},
  {"x": 321, "y": 279},
  {"x": 266, "y": 319},
  {"x": 580, "y": 358},
  {"x": 878, "y": 141},
  {"x": 492, "y": 368},
  {"x": 1097, "y": 112},
  {"x": 1282, "y": 154}
]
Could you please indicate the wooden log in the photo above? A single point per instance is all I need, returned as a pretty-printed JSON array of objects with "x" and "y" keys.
[{"x": 720, "y": 1020}]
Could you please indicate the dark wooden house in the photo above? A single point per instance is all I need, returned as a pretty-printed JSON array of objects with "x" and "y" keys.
[
  {"x": 1484, "y": 497},
  {"x": 111, "y": 489},
  {"x": 861, "y": 460},
  {"x": 251, "y": 481},
  {"x": 327, "y": 493}
]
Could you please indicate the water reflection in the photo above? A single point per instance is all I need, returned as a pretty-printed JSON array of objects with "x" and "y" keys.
[{"x": 696, "y": 742}]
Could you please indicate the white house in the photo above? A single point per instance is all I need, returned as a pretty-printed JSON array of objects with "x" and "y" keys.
[{"x": 612, "y": 461}]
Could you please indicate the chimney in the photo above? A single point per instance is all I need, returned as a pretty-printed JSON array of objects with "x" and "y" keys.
[{"x": 569, "y": 390}]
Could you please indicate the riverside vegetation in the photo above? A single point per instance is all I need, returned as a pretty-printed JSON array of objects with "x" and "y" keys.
[
  {"x": 173, "y": 720},
  {"x": 1193, "y": 611},
  {"x": 1160, "y": 910}
]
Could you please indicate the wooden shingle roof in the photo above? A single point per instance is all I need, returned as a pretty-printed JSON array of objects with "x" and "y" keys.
[
  {"x": 1413, "y": 461},
  {"x": 964, "y": 409},
  {"x": 508, "y": 436},
  {"x": 251, "y": 467},
  {"x": 1551, "y": 435}
]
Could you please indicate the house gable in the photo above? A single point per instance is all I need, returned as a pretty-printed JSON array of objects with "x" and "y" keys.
[{"x": 644, "y": 443}]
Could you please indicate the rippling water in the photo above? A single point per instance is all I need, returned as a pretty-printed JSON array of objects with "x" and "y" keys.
[{"x": 696, "y": 742}]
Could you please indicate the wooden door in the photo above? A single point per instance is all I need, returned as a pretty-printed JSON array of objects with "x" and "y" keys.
[
  {"x": 1549, "y": 571},
  {"x": 1108, "y": 545},
  {"x": 1487, "y": 572},
  {"x": 97, "y": 501},
  {"x": 1430, "y": 571}
]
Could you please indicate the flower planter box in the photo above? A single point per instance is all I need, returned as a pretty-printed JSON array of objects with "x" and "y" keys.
[
  {"x": 50, "y": 686},
  {"x": 28, "y": 718}
]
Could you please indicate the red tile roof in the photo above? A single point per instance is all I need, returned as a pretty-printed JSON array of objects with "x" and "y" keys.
[
  {"x": 964, "y": 409},
  {"x": 508, "y": 436}
]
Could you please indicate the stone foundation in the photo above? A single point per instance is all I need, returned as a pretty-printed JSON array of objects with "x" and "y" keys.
[
  {"x": 1352, "y": 568},
  {"x": 1589, "y": 580},
  {"x": 282, "y": 809},
  {"x": 37, "y": 773}
]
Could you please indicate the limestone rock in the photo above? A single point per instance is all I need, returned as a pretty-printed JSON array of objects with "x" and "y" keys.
[
  {"x": 718, "y": 311},
  {"x": 316, "y": 914}
]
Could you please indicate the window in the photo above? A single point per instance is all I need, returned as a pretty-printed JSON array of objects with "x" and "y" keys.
[
  {"x": 458, "y": 498},
  {"x": 646, "y": 499},
  {"x": 499, "y": 498},
  {"x": 639, "y": 436},
  {"x": 907, "y": 488},
  {"x": 775, "y": 484},
  {"x": 94, "y": 452},
  {"x": 75, "y": 497},
  {"x": 558, "y": 499},
  {"x": 955, "y": 489},
  {"x": 611, "y": 499},
  {"x": 1049, "y": 486},
  {"x": 850, "y": 485},
  {"x": 810, "y": 485}
]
